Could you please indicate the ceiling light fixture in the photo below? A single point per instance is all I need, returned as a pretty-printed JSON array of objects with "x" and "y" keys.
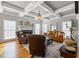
[{"x": 39, "y": 16}]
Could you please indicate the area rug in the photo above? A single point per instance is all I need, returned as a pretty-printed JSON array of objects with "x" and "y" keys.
[{"x": 52, "y": 50}]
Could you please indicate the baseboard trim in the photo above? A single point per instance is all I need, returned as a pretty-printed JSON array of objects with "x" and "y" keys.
[{"x": 9, "y": 40}]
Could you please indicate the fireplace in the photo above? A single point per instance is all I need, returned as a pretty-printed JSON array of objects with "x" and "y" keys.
[
  {"x": 22, "y": 37},
  {"x": 27, "y": 31}
]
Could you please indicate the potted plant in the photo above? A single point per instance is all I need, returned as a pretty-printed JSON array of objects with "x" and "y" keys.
[{"x": 71, "y": 29}]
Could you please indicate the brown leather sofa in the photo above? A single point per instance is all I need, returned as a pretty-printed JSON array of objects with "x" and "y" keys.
[
  {"x": 56, "y": 35},
  {"x": 37, "y": 45},
  {"x": 59, "y": 36}
]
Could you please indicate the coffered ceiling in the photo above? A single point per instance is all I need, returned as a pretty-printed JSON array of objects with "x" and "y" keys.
[
  {"x": 58, "y": 4},
  {"x": 48, "y": 9}
]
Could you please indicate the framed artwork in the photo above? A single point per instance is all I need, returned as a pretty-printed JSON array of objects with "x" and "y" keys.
[{"x": 27, "y": 23}]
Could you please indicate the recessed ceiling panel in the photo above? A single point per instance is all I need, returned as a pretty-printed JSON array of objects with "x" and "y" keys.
[
  {"x": 21, "y": 4},
  {"x": 9, "y": 12},
  {"x": 51, "y": 16},
  {"x": 37, "y": 9},
  {"x": 68, "y": 12},
  {"x": 29, "y": 16},
  {"x": 32, "y": 13},
  {"x": 58, "y": 4},
  {"x": 10, "y": 5}
]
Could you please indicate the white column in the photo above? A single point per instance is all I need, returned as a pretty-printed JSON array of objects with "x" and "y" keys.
[
  {"x": 1, "y": 8},
  {"x": 77, "y": 17},
  {"x": 1, "y": 28},
  {"x": 41, "y": 25}
]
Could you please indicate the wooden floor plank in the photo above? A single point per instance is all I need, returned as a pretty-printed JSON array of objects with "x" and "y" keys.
[{"x": 13, "y": 50}]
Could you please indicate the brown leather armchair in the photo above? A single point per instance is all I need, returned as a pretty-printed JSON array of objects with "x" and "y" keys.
[{"x": 37, "y": 45}]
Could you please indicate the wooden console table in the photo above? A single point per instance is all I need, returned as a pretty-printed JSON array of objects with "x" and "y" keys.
[{"x": 66, "y": 54}]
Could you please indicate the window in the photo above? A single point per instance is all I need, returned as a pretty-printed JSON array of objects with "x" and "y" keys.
[
  {"x": 9, "y": 29},
  {"x": 37, "y": 28},
  {"x": 53, "y": 27},
  {"x": 66, "y": 28},
  {"x": 44, "y": 28}
]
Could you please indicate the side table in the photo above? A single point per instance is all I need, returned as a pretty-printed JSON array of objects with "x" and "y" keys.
[{"x": 66, "y": 54}]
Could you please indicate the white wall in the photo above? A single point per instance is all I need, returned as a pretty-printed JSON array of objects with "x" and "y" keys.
[
  {"x": 44, "y": 21},
  {"x": 17, "y": 19},
  {"x": 13, "y": 18},
  {"x": 60, "y": 21}
]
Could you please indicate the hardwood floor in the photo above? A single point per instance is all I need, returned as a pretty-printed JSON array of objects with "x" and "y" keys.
[{"x": 13, "y": 50}]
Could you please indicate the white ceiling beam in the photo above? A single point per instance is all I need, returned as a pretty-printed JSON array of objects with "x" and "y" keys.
[
  {"x": 47, "y": 14},
  {"x": 31, "y": 15},
  {"x": 30, "y": 7},
  {"x": 8, "y": 8},
  {"x": 54, "y": 18},
  {"x": 46, "y": 7},
  {"x": 72, "y": 14},
  {"x": 65, "y": 8},
  {"x": 50, "y": 10},
  {"x": 14, "y": 10}
]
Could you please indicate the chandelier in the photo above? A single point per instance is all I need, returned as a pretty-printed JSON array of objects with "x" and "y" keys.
[{"x": 39, "y": 16}]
